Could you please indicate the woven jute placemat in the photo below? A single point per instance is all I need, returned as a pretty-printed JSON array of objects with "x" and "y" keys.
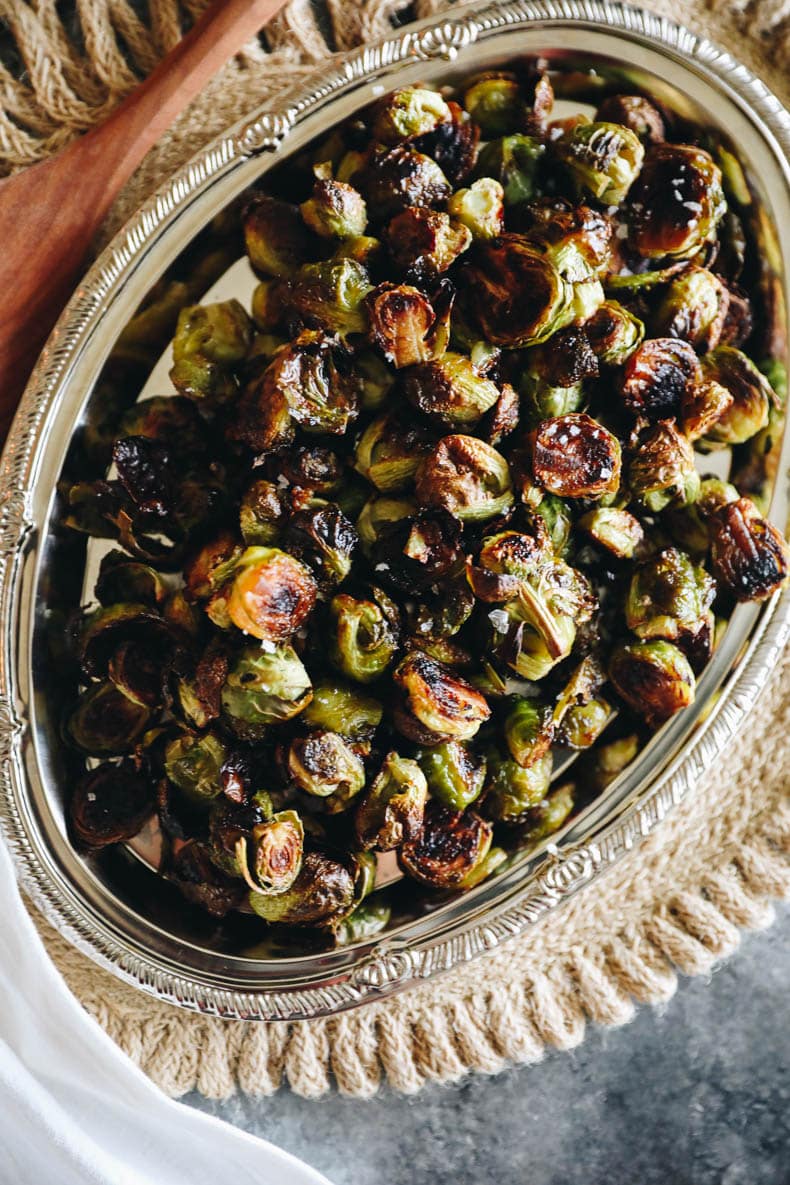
[{"x": 676, "y": 903}]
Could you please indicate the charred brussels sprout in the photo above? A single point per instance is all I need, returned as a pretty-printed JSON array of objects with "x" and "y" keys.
[
  {"x": 668, "y": 597},
  {"x": 749, "y": 557},
  {"x": 391, "y": 812},
  {"x": 702, "y": 407},
  {"x": 261, "y": 514},
  {"x": 345, "y": 710},
  {"x": 365, "y": 635},
  {"x": 262, "y": 688},
  {"x": 619, "y": 531},
  {"x": 450, "y": 846},
  {"x": 528, "y": 730},
  {"x": 323, "y": 763},
  {"x": 122, "y": 579},
  {"x": 379, "y": 515},
  {"x": 367, "y": 919},
  {"x": 193, "y": 762},
  {"x": 269, "y": 859},
  {"x": 389, "y": 452},
  {"x": 409, "y": 112},
  {"x": 335, "y": 210},
  {"x": 751, "y": 394},
  {"x": 331, "y": 295},
  {"x": 325, "y": 540},
  {"x": 401, "y": 177},
  {"x": 309, "y": 383},
  {"x": 662, "y": 468},
  {"x": 425, "y": 243},
  {"x": 689, "y": 524},
  {"x": 693, "y": 308},
  {"x": 614, "y": 333},
  {"x": 322, "y": 892},
  {"x": 515, "y": 162},
  {"x": 444, "y": 615},
  {"x": 576, "y": 457},
  {"x": 634, "y": 112},
  {"x": 555, "y": 372},
  {"x": 211, "y": 566},
  {"x": 467, "y": 477},
  {"x": 413, "y": 553},
  {"x": 496, "y": 103},
  {"x": 515, "y": 294},
  {"x": 610, "y": 760},
  {"x": 110, "y": 805},
  {"x": 271, "y": 595},
  {"x": 455, "y": 774},
  {"x": 657, "y": 377},
  {"x": 435, "y": 704},
  {"x": 480, "y": 208},
  {"x": 210, "y": 341},
  {"x": 406, "y": 326},
  {"x": 582, "y": 724},
  {"x": 548, "y": 816},
  {"x": 603, "y": 158},
  {"x": 106, "y": 722},
  {"x": 276, "y": 238},
  {"x": 513, "y": 790},
  {"x": 677, "y": 202},
  {"x": 450, "y": 391},
  {"x": 654, "y": 678}
]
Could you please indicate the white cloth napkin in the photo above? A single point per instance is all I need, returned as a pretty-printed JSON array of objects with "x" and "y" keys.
[{"x": 74, "y": 1110}]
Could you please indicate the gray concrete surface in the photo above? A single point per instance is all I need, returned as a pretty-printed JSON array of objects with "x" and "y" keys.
[{"x": 694, "y": 1093}]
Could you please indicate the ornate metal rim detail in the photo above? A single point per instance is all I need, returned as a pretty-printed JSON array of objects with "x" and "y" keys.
[{"x": 392, "y": 964}]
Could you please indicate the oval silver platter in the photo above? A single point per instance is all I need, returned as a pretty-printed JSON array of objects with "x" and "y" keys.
[{"x": 111, "y": 908}]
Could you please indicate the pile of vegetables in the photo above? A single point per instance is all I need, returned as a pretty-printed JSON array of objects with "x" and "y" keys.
[{"x": 430, "y": 512}]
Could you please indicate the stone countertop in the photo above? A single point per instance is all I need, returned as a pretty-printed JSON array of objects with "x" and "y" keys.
[{"x": 696, "y": 1092}]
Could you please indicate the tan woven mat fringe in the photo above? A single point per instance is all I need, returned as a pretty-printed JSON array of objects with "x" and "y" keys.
[{"x": 677, "y": 903}]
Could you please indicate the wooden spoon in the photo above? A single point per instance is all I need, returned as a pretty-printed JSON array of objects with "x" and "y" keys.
[{"x": 50, "y": 212}]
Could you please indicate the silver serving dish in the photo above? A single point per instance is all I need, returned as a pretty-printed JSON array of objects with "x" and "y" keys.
[{"x": 114, "y": 908}]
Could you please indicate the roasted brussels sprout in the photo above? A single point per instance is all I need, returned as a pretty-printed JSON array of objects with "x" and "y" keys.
[
  {"x": 467, "y": 477},
  {"x": 110, "y": 804},
  {"x": 409, "y": 112},
  {"x": 345, "y": 710},
  {"x": 548, "y": 816},
  {"x": 455, "y": 774},
  {"x": 193, "y": 762},
  {"x": 450, "y": 391},
  {"x": 261, "y": 514},
  {"x": 365, "y": 635},
  {"x": 309, "y": 384},
  {"x": 331, "y": 296},
  {"x": 677, "y": 202},
  {"x": 168, "y": 419},
  {"x": 401, "y": 177},
  {"x": 269, "y": 857},
  {"x": 325, "y": 540},
  {"x": 414, "y": 553},
  {"x": 389, "y": 452},
  {"x": 751, "y": 394},
  {"x": 448, "y": 848},
  {"x": 555, "y": 372},
  {"x": 480, "y": 208},
  {"x": 271, "y": 594},
  {"x": 512, "y": 789},
  {"x": 335, "y": 210},
  {"x": 322, "y": 892},
  {"x": 668, "y": 597},
  {"x": 619, "y": 531},
  {"x": 653, "y": 677},
  {"x": 379, "y": 515},
  {"x": 323, "y": 763},
  {"x": 582, "y": 724},
  {"x": 495, "y": 102},
  {"x": 210, "y": 341},
  {"x": 391, "y": 812},
  {"x": 662, "y": 469},
  {"x": 444, "y": 615},
  {"x": 125, "y": 580},
  {"x": 506, "y": 560},
  {"x": 610, "y": 760},
  {"x": 528, "y": 730},
  {"x": 425, "y": 243},
  {"x": 634, "y": 112},
  {"x": 658, "y": 376},
  {"x": 435, "y": 703},
  {"x": 702, "y": 406},
  {"x": 693, "y": 308},
  {"x": 367, "y": 919},
  {"x": 264, "y": 687},
  {"x": 750, "y": 559},
  {"x": 516, "y": 296},
  {"x": 604, "y": 159},
  {"x": 277, "y": 240},
  {"x": 614, "y": 333},
  {"x": 406, "y": 326},
  {"x": 515, "y": 162},
  {"x": 689, "y": 524},
  {"x": 106, "y": 722},
  {"x": 576, "y": 457}
]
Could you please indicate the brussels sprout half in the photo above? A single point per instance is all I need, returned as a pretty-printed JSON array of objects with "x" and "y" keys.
[{"x": 391, "y": 812}]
